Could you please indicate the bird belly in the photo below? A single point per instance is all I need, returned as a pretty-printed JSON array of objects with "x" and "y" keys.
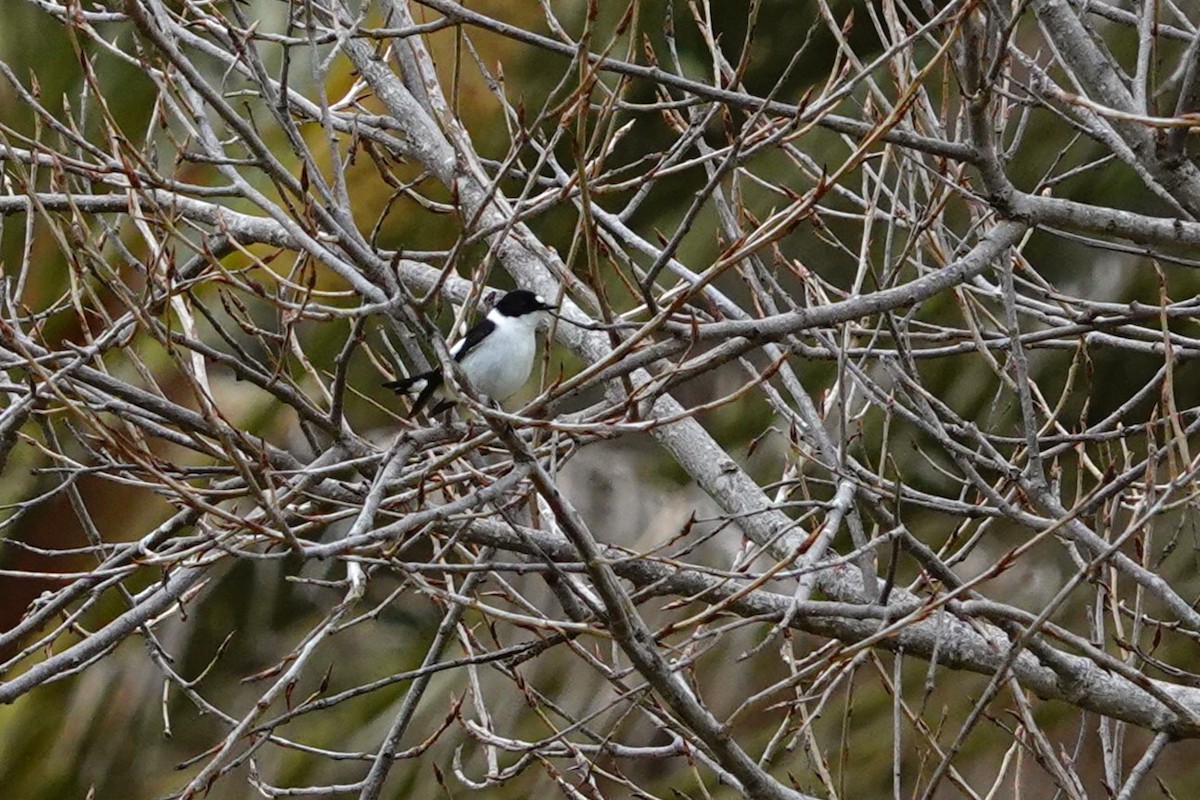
[{"x": 501, "y": 375}]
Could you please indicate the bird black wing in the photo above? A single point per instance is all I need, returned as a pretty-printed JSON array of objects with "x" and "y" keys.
[{"x": 477, "y": 334}]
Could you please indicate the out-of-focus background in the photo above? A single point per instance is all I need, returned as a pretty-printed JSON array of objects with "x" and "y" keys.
[{"x": 1104, "y": 317}]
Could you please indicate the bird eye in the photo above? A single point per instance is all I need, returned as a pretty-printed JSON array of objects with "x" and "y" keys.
[{"x": 541, "y": 300}]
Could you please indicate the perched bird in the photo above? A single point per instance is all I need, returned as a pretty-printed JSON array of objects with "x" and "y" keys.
[{"x": 496, "y": 355}]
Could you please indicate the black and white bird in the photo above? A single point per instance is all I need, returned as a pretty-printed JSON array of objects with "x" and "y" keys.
[{"x": 496, "y": 355}]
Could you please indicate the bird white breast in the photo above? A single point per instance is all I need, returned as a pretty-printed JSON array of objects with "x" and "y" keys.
[{"x": 499, "y": 365}]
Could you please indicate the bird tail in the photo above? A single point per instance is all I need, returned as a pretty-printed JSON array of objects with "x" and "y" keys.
[
  {"x": 423, "y": 385},
  {"x": 409, "y": 385}
]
